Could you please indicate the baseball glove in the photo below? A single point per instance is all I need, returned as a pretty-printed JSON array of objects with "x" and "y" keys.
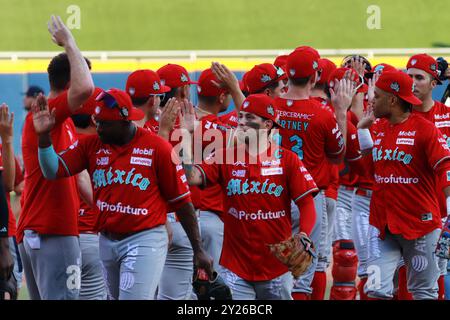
[
  {"x": 296, "y": 253},
  {"x": 206, "y": 289},
  {"x": 10, "y": 287}
]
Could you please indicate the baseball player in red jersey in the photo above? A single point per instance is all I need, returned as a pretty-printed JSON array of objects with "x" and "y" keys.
[
  {"x": 321, "y": 94},
  {"x": 423, "y": 69},
  {"x": 6, "y": 258},
  {"x": 48, "y": 222},
  {"x": 176, "y": 279},
  {"x": 177, "y": 79},
  {"x": 11, "y": 177},
  {"x": 146, "y": 92},
  {"x": 312, "y": 132},
  {"x": 92, "y": 281},
  {"x": 329, "y": 76},
  {"x": 133, "y": 177},
  {"x": 213, "y": 98},
  {"x": 345, "y": 260},
  {"x": 258, "y": 189},
  {"x": 265, "y": 78},
  {"x": 408, "y": 153}
]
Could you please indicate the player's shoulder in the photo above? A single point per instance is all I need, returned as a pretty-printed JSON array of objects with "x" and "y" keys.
[
  {"x": 441, "y": 106},
  {"x": 417, "y": 120},
  {"x": 60, "y": 99},
  {"x": 148, "y": 139}
]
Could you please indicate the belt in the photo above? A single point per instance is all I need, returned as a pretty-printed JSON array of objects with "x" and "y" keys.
[
  {"x": 363, "y": 192},
  {"x": 115, "y": 236},
  {"x": 172, "y": 216},
  {"x": 347, "y": 188},
  {"x": 88, "y": 232}
]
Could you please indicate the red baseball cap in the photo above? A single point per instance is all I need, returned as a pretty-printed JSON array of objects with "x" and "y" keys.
[
  {"x": 338, "y": 74},
  {"x": 399, "y": 84},
  {"x": 383, "y": 67},
  {"x": 426, "y": 63},
  {"x": 327, "y": 67},
  {"x": 174, "y": 76},
  {"x": 206, "y": 87},
  {"x": 116, "y": 105},
  {"x": 281, "y": 61},
  {"x": 262, "y": 105},
  {"x": 89, "y": 106},
  {"x": 302, "y": 63},
  {"x": 262, "y": 75},
  {"x": 309, "y": 49},
  {"x": 143, "y": 83}
]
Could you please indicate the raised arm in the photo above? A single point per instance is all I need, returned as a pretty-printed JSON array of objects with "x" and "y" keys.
[
  {"x": 44, "y": 121},
  {"x": 6, "y": 133},
  {"x": 81, "y": 83},
  {"x": 187, "y": 123},
  {"x": 229, "y": 81}
]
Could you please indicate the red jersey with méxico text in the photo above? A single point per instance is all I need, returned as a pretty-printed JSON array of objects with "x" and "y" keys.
[
  {"x": 212, "y": 128},
  {"x": 310, "y": 130},
  {"x": 439, "y": 114},
  {"x": 258, "y": 195},
  {"x": 132, "y": 183},
  {"x": 406, "y": 158},
  {"x": 49, "y": 206}
]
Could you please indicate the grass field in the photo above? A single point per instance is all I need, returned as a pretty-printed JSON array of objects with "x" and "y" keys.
[{"x": 231, "y": 24}]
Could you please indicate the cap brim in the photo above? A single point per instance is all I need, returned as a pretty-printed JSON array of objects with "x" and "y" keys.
[
  {"x": 411, "y": 99},
  {"x": 136, "y": 114},
  {"x": 165, "y": 89}
]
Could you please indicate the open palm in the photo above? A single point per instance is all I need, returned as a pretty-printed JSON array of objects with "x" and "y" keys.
[{"x": 43, "y": 119}]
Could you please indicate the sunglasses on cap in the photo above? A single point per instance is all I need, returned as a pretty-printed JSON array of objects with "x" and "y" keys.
[{"x": 110, "y": 102}]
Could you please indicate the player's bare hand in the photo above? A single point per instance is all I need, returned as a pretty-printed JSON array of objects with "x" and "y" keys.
[
  {"x": 371, "y": 85},
  {"x": 188, "y": 118},
  {"x": 342, "y": 95},
  {"x": 6, "y": 124},
  {"x": 367, "y": 119},
  {"x": 6, "y": 260},
  {"x": 358, "y": 64},
  {"x": 169, "y": 115},
  {"x": 61, "y": 35},
  {"x": 43, "y": 119},
  {"x": 226, "y": 77},
  {"x": 203, "y": 261}
]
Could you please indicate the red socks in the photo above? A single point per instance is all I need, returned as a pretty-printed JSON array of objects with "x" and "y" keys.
[{"x": 319, "y": 285}]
